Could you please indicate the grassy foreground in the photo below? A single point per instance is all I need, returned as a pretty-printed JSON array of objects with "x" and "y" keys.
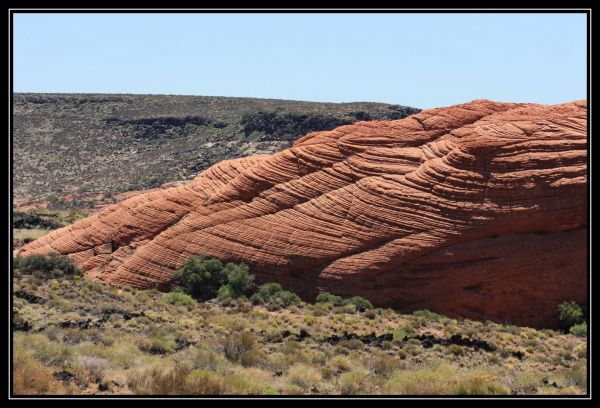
[{"x": 77, "y": 336}]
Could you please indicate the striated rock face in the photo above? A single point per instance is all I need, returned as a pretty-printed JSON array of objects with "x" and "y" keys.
[{"x": 477, "y": 210}]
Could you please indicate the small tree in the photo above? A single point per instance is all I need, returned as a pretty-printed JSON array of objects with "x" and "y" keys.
[
  {"x": 225, "y": 292},
  {"x": 266, "y": 292},
  {"x": 201, "y": 277},
  {"x": 569, "y": 314},
  {"x": 204, "y": 278},
  {"x": 239, "y": 279},
  {"x": 327, "y": 297}
]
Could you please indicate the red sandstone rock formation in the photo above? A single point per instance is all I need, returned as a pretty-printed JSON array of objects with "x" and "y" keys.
[{"x": 477, "y": 210}]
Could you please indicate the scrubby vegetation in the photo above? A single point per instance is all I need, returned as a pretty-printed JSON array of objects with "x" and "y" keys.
[
  {"x": 205, "y": 278},
  {"x": 239, "y": 281},
  {"x": 273, "y": 295},
  {"x": 68, "y": 145},
  {"x": 288, "y": 126},
  {"x": 79, "y": 336},
  {"x": 44, "y": 266},
  {"x": 28, "y": 220},
  {"x": 579, "y": 329},
  {"x": 570, "y": 314},
  {"x": 361, "y": 304},
  {"x": 35, "y": 223},
  {"x": 179, "y": 299}
]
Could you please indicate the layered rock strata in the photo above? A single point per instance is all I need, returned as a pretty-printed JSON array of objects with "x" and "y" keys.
[{"x": 476, "y": 210}]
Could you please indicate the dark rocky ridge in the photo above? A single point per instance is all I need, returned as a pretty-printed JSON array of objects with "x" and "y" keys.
[{"x": 30, "y": 220}]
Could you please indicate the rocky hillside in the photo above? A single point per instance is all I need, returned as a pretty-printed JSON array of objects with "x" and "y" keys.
[
  {"x": 86, "y": 143},
  {"x": 477, "y": 210}
]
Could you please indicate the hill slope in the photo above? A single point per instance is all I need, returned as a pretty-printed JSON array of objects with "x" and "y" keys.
[
  {"x": 476, "y": 210},
  {"x": 78, "y": 143}
]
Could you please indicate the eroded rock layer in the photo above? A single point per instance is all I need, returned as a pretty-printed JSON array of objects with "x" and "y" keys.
[{"x": 477, "y": 210}]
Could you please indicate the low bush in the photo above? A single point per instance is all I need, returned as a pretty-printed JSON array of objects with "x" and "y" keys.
[
  {"x": 273, "y": 294},
  {"x": 45, "y": 266},
  {"x": 340, "y": 363},
  {"x": 236, "y": 346},
  {"x": 205, "y": 278},
  {"x": 225, "y": 293},
  {"x": 352, "y": 344},
  {"x": 156, "y": 345},
  {"x": 353, "y": 382},
  {"x": 455, "y": 350},
  {"x": 326, "y": 297},
  {"x": 201, "y": 277},
  {"x": 579, "y": 330},
  {"x": 239, "y": 279},
  {"x": 382, "y": 364},
  {"x": 304, "y": 376},
  {"x": 428, "y": 315},
  {"x": 179, "y": 299},
  {"x": 360, "y": 304},
  {"x": 569, "y": 314}
]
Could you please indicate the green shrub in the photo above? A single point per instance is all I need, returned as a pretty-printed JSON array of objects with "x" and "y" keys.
[
  {"x": 569, "y": 314},
  {"x": 225, "y": 292},
  {"x": 361, "y": 304},
  {"x": 428, "y": 315},
  {"x": 326, "y": 297},
  {"x": 274, "y": 295},
  {"x": 156, "y": 344},
  {"x": 269, "y": 290},
  {"x": 178, "y": 299},
  {"x": 239, "y": 279},
  {"x": 256, "y": 299},
  {"x": 288, "y": 298},
  {"x": 400, "y": 334},
  {"x": 270, "y": 391},
  {"x": 201, "y": 277},
  {"x": 579, "y": 330},
  {"x": 205, "y": 278},
  {"x": 45, "y": 266}
]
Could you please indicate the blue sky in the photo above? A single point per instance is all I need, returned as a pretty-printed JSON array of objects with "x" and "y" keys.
[{"x": 422, "y": 60}]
